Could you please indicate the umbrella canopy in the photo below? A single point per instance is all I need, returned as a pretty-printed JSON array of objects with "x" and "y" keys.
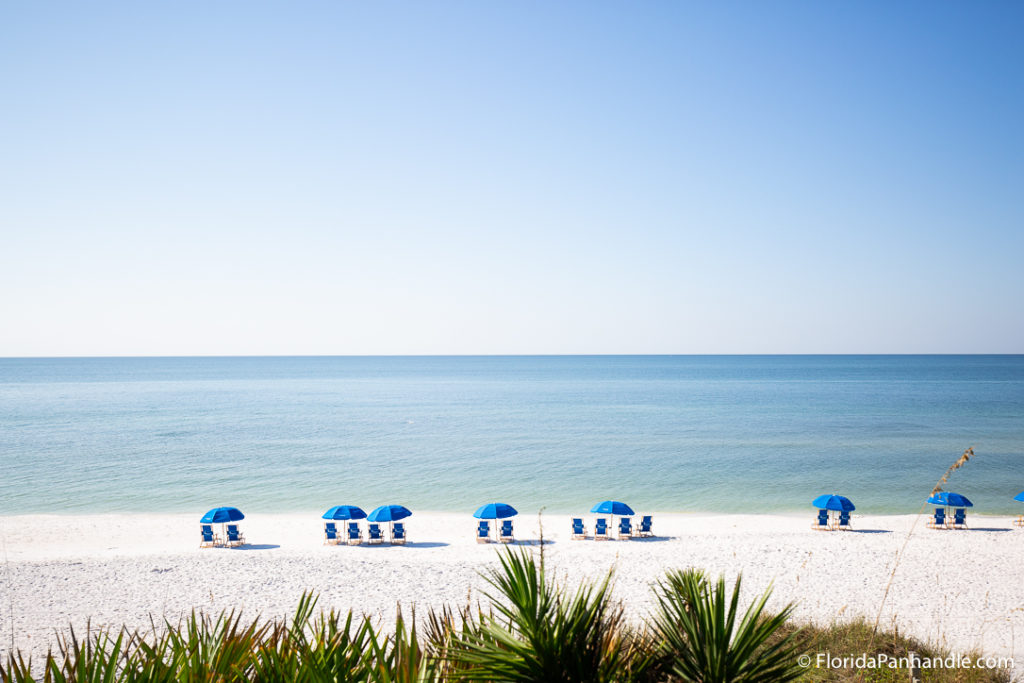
[
  {"x": 833, "y": 502},
  {"x": 345, "y": 512},
  {"x": 950, "y": 499},
  {"x": 389, "y": 513},
  {"x": 495, "y": 511},
  {"x": 613, "y": 507},
  {"x": 1019, "y": 496},
  {"x": 222, "y": 516}
]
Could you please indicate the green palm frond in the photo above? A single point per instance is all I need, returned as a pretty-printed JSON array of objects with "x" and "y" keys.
[
  {"x": 538, "y": 631},
  {"x": 704, "y": 638}
]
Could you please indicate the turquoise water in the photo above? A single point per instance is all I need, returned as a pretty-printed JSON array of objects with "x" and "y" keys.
[{"x": 665, "y": 433}]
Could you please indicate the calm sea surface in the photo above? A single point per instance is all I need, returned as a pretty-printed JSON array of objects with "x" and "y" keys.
[{"x": 664, "y": 433}]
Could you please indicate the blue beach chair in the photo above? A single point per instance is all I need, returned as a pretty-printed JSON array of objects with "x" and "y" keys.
[
  {"x": 844, "y": 520},
  {"x": 483, "y": 532},
  {"x": 373, "y": 533},
  {"x": 331, "y": 534},
  {"x": 625, "y": 529},
  {"x": 355, "y": 535},
  {"x": 939, "y": 520},
  {"x": 235, "y": 537},
  {"x": 601, "y": 529},
  {"x": 398, "y": 533},
  {"x": 209, "y": 539},
  {"x": 578, "y": 530},
  {"x": 644, "y": 528},
  {"x": 821, "y": 523},
  {"x": 960, "y": 518},
  {"x": 505, "y": 533}
]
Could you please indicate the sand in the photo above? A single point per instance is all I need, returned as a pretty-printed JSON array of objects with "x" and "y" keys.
[{"x": 961, "y": 589}]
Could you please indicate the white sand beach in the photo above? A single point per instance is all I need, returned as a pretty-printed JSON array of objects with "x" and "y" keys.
[{"x": 961, "y": 589}]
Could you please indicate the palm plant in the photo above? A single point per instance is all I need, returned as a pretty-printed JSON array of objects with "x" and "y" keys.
[
  {"x": 701, "y": 640},
  {"x": 329, "y": 648},
  {"x": 214, "y": 649},
  {"x": 538, "y": 631},
  {"x": 336, "y": 649}
]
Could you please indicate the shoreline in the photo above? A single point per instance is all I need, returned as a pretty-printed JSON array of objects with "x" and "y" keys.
[
  {"x": 120, "y": 569},
  {"x": 195, "y": 514}
]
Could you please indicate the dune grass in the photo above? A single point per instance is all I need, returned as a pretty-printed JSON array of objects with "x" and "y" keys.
[{"x": 850, "y": 639}]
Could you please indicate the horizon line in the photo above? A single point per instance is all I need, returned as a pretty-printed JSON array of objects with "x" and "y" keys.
[{"x": 506, "y": 355}]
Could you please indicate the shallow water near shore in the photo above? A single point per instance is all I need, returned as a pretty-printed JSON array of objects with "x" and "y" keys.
[{"x": 666, "y": 433}]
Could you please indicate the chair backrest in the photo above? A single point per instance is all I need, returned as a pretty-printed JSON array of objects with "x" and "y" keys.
[
  {"x": 940, "y": 515},
  {"x": 206, "y": 529},
  {"x": 332, "y": 534},
  {"x": 374, "y": 530},
  {"x": 330, "y": 528},
  {"x": 822, "y": 517},
  {"x": 601, "y": 526},
  {"x": 207, "y": 534},
  {"x": 484, "y": 524},
  {"x": 625, "y": 524},
  {"x": 353, "y": 531},
  {"x": 506, "y": 526},
  {"x": 398, "y": 530},
  {"x": 483, "y": 530},
  {"x": 960, "y": 514},
  {"x": 645, "y": 523},
  {"x": 844, "y": 517},
  {"x": 232, "y": 533}
]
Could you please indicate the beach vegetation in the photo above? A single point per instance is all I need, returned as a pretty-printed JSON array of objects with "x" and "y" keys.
[
  {"x": 702, "y": 636},
  {"x": 844, "y": 641},
  {"x": 538, "y": 630},
  {"x": 533, "y": 628}
]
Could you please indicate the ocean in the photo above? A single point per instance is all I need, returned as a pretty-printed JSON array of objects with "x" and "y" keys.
[{"x": 754, "y": 434}]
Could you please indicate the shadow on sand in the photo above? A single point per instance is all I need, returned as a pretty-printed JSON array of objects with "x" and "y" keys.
[
  {"x": 635, "y": 539},
  {"x": 530, "y": 541},
  {"x": 409, "y": 544},
  {"x": 520, "y": 542},
  {"x": 869, "y": 531},
  {"x": 256, "y": 546}
]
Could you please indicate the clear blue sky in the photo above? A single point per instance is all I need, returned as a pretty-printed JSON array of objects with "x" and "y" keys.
[{"x": 511, "y": 177}]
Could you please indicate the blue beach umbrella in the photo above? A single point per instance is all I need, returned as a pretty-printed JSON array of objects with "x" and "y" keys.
[
  {"x": 339, "y": 512},
  {"x": 950, "y": 499},
  {"x": 1019, "y": 496},
  {"x": 222, "y": 516},
  {"x": 389, "y": 514},
  {"x": 613, "y": 507},
  {"x": 495, "y": 511},
  {"x": 833, "y": 502}
]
